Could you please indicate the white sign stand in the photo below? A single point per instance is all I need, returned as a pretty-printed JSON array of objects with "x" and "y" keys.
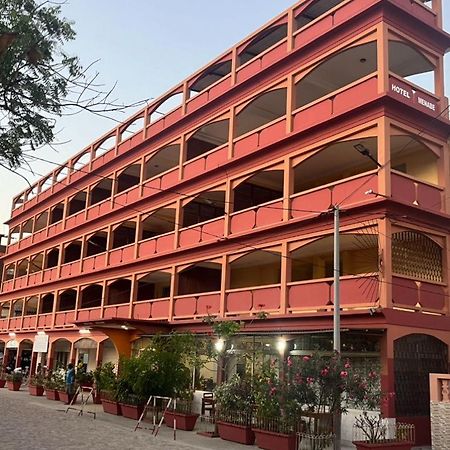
[{"x": 85, "y": 393}]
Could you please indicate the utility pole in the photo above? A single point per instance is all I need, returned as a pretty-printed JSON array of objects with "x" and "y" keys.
[{"x": 337, "y": 315}]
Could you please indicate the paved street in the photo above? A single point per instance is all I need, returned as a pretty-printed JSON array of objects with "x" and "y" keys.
[{"x": 30, "y": 423}]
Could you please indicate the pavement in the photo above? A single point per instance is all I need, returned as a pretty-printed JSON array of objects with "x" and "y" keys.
[{"x": 35, "y": 423}]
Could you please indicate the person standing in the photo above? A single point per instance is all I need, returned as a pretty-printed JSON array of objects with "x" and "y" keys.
[{"x": 70, "y": 380}]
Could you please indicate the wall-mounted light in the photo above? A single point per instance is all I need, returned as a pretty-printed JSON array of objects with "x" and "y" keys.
[
  {"x": 41, "y": 333},
  {"x": 281, "y": 345},
  {"x": 84, "y": 331},
  {"x": 366, "y": 152},
  {"x": 12, "y": 334},
  {"x": 124, "y": 327},
  {"x": 219, "y": 345}
]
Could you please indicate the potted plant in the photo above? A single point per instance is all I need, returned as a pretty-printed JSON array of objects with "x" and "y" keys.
[
  {"x": 104, "y": 380},
  {"x": 83, "y": 378},
  {"x": 14, "y": 381},
  {"x": 371, "y": 430},
  {"x": 36, "y": 385},
  {"x": 234, "y": 410},
  {"x": 182, "y": 413},
  {"x": 53, "y": 383}
]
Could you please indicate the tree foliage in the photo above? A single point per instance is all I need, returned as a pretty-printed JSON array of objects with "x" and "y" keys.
[{"x": 39, "y": 80}]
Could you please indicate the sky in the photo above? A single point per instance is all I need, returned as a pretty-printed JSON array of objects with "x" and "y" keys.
[{"x": 146, "y": 49}]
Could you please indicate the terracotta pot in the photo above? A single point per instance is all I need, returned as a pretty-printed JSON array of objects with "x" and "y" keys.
[
  {"x": 65, "y": 397},
  {"x": 131, "y": 411},
  {"x": 111, "y": 407},
  {"x": 363, "y": 445},
  {"x": 243, "y": 434},
  {"x": 37, "y": 391},
  {"x": 2, "y": 383},
  {"x": 185, "y": 422},
  {"x": 268, "y": 440},
  {"x": 14, "y": 385},
  {"x": 52, "y": 394}
]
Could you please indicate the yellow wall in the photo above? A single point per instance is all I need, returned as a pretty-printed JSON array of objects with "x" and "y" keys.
[{"x": 255, "y": 276}]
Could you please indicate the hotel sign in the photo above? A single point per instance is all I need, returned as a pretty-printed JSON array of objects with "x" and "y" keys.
[{"x": 407, "y": 93}]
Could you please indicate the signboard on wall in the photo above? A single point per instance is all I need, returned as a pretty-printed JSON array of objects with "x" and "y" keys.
[
  {"x": 12, "y": 344},
  {"x": 40, "y": 344},
  {"x": 408, "y": 94}
]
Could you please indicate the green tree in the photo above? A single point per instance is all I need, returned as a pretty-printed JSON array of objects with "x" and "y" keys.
[{"x": 39, "y": 81}]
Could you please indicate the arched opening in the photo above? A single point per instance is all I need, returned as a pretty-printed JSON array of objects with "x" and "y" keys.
[
  {"x": 100, "y": 192},
  {"x": 261, "y": 188},
  {"x": 206, "y": 138},
  {"x": 264, "y": 109},
  {"x": 9, "y": 272},
  {"x": 96, "y": 243},
  {"x": 153, "y": 285},
  {"x": 134, "y": 126},
  {"x": 337, "y": 71},
  {"x": 257, "y": 268},
  {"x": 22, "y": 268},
  {"x": 158, "y": 223},
  {"x": 262, "y": 41},
  {"x": 410, "y": 156},
  {"x": 358, "y": 252},
  {"x": 14, "y": 235},
  {"x": 202, "y": 277},
  {"x": 333, "y": 163},
  {"x": 47, "y": 303},
  {"x": 61, "y": 174},
  {"x": 67, "y": 300},
  {"x": 31, "y": 306},
  {"x": 171, "y": 102},
  {"x": 41, "y": 221},
  {"x": 56, "y": 213},
  {"x": 61, "y": 352},
  {"x": 417, "y": 256},
  {"x": 91, "y": 296},
  {"x": 36, "y": 263},
  {"x": 25, "y": 352},
  {"x": 27, "y": 228},
  {"x": 408, "y": 62},
  {"x": 124, "y": 234},
  {"x": 86, "y": 353},
  {"x": 81, "y": 161},
  {"x": 5, "y": 309},
  {"x": 105, "y": 146},
  {"x": 77, "y": 203},
  {"x": 72, "y": 252},
  {"x": 163, "y": 160},
  {"x": 211, "y": 75},
  {"x": 45, "y": 183},
  {"x": 109, "y": 352},
  {"x": 415, "y": 357},
  {"x": 52, "y": 258},
  {"x": 129, "y": 177},
  {"x": 17, "y": 309},
  {"x": 119, "y": 291},
  {"x": 313, "y": 11},
  {"x": 206, "y": 206}
]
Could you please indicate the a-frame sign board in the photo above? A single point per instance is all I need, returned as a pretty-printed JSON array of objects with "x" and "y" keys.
[{"x": 152, "y": 404}]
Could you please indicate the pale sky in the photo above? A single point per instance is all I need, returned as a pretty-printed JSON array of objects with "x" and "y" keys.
[{"x": 147, "y": 47}]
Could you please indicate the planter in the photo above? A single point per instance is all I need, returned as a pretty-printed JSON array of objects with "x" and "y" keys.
[
  {"x": 243, "y": 434},
  {"x": 111, "y": 407},
  {"x": 37, "y": 391},
  {"x": 269, "y": 440},
  {"x": 185, "y": 422},
  {"x": 363, "y": 445},
  {"x": 97, "y": 399},
  {"x": 2, "y": 383},
  {"x": 52, "y": 394},
  {"x": 131, "y": 411},
  {"x": 65, "y": 397},
  {"x": 14, "y": 385}
]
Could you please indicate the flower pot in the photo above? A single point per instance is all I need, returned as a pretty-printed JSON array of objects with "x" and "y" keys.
[
  {"x": 2, "y": 383},
  {"x": 269, "y": 440},
  {"x": 131, "y": 411},
  {"x": 37, "y": 391},
  {"x": 364, "y": 445},
  {"x": 185, "y": 422},
  {"x": 65, "y": 397},
  {"x": 14, "y": 385},
  {"x": 52, "y": 394},
  {"x": 243, "y": 434},
  {"x": 111, "y": 407}
]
